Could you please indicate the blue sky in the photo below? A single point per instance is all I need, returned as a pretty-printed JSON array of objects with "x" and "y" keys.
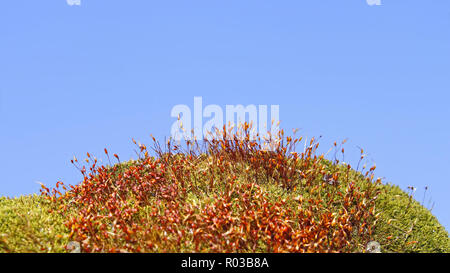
[{"x": 77, "y": 79}]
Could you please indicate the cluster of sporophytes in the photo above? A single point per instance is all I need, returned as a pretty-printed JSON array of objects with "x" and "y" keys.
[{"x": 233, "y": 193}]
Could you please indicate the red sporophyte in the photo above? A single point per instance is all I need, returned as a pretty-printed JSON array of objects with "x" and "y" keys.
[{"x": 216, "y": 196}]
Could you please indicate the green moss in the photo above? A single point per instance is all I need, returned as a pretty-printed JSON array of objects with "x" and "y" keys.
[
  {"x": 27, "y": 226},
  {"x": 406, "y": 226}
]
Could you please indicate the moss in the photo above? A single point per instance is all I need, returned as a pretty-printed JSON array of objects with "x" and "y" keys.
[
  {"x": 406, "y": 226},
  {"x": 27, "y": 226}
]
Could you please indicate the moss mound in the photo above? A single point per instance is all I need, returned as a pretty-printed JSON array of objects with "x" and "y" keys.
[
  {"x": 229, "y": 195},
  {"x": 404, "y": 226}
]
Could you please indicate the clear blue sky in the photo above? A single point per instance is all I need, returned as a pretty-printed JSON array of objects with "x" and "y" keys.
[{"x": 76, "y": 79}]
